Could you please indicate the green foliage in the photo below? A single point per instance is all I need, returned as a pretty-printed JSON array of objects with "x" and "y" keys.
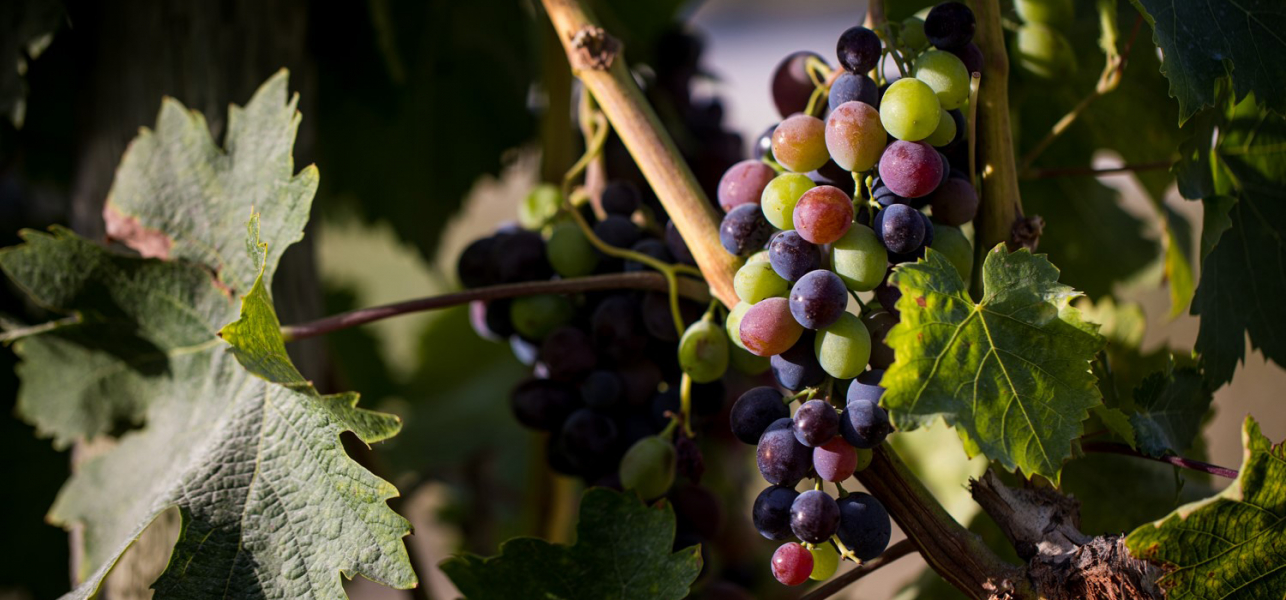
[
  {"x": 1010, "y": 372},
  {"x": 26, "y": 28},
  {"x": 226, "y": 430},
  {"x": 1229, "y": 545},
  {"x": 622, "y": 551},
  {"x": 1171, "y": 406},
  {"x": 1203, "y": 41}
]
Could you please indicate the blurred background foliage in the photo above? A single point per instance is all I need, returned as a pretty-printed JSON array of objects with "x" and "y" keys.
[{"x": 429, "y": 120}]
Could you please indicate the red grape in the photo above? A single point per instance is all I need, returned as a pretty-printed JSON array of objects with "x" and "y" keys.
[
  {"x": 835, "y": 460},
  {"x": 744, "y": 183},
  {"x": 768, "y": 328},
  {"x": 823, "y": 214},
  {"x": 792, "y": 564},
  {"x": 911, "y": 169}
]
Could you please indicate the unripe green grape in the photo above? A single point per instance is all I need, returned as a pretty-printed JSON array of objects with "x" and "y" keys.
[
  {"x": 732, "y": 325},
  {"x": 570, "y": 252},
  {"x": 859, "y": 259},
  {"x": 825, "y": 561},
  {"x": 946, "y": 74},
  {"x": 648, "y": 467},
  {"x": 913, "y": 33},
  {"x": 780, "y": 197},
  {"x": 844, "y": 348},
  {"x": 703, "y": 352},
  {"x": 955, "y": 247},
  {"x": 945, "y": 133},
  {"x": 756, "y": 281},
  {"x": 540, "y": 205},
  {"x": 742, "y": 360},
  {"x": 910, "y": 110},
  {"x": 1056, "y": 13},
  {"x": 864, "y": 457},
  {"x": 1043, "y": 52},
  {"x": 760, "y": 256},
  {"x": 536, "y": 316}
]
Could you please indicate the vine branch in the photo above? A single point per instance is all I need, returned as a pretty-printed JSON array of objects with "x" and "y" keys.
[
  {"x": 994, "y": 156},
  {"x": 832, "y": 587},
  {"x": 1178, "y": 461},
  {"x": 656, "y": 282}
]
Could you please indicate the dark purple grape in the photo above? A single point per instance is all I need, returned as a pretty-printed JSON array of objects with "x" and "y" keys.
[
  {"x": 814, "y": 516},
  {"x": 872, "y": 377},
  {"x": 792, "y": 256},
  {"x": 971, "y": 55},
  {"x": 744, "y": 230},
  {"x": 771, "y": 512},
  {"x": 818, "y": 299},
  {"x": 849, "y": 87},
  {"x": 568, "y": 353},
  {"x": 590, "y": 439},
  {"x": 698, "y": 509},
  {"x": 754, "y": 411},
  {"x": 864, "y": 392},
  {"x": 650, "y": 247},
  {"x": 621, "y": 198},
  {"x": 781, "y": 458},
  {"x": 950, "y": 25},
  {"x": 835, "y": 460},
  {"x": 689, "y": 462},
  {"x": 763, "y": 144},
  {"x": 797, "y": 367},
  {"x": 520, "y": 256},
  {"x": 492, "y": 319},
  {"x": 878, "y": 324},
  {"x": 911, "y": 169},
  {"x": 476, "y": 267},
  {"x": 602, "y": 389},
  {"x": 543, "y": 405},
  {"x": 928, "y": 234},
  {"x": 955, "y": 203},
  {"x": 641, "y": 379},
  {"x": 816, "y": 423},
  {"x": 884, "y": 195},
  {"x": 618, "y": 231},
  {"x": 888, "y": 296},
  {"x": 791, "y": 85},
  {"x": 900, "y": 228},
  {"x": 678, "y": 248},
  {"x": 864, "y": 424},
  {"x": 617, "y": 328},
  {"x": 859, "y": 49},
  {"x": 864, "y": 525}
]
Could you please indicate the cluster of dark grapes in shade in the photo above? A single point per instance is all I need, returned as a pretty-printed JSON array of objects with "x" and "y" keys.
[{"x": 834, "y": 200}]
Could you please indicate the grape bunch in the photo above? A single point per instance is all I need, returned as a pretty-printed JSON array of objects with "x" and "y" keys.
[{"x": 836, "y": 197}]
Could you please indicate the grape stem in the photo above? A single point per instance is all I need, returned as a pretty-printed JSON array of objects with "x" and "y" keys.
[
  {"x": 1178, "y": 461},
  {"x": 638, "y": 281},
  {"x": 685, "y": 405},
  {"x": 832, "y": 587},
  {"x": 1054, "y": 172}
]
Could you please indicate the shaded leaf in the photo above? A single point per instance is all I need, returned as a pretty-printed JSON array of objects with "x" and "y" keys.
[
  {"x": 622, "y": 551},
  {"x": 1229, "y": 545},
  {"x": 1171, "y": 406},
  {"x": 1205, "y": 40},
  {"x": 28, "y": 27},
  {"x": 1011, "y": 372}
]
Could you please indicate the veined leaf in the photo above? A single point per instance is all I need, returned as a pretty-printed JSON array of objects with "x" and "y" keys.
[
  {"x": 1010, "y": 372},
  {"x": 1171, "y": 405},
  {"x": 622, "y": 552},
  {"x": 1232, "y": 545}
]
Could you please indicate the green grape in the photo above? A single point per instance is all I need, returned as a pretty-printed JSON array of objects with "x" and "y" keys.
[
  {"x": 946, "y": 131},
  {"x": 732, "y": 324},
  {"x": 648, "y": 467},
  {"x": 859, "y": 259},
  {"x": 760, "y": 256},
  {"x": 780, "y": 197},
  {"x": 1043, "y": 52},
  {"x": 955, "y": 247},
  {"x": 535, "y": 316},
  {"x": 844, "y": 348},
  {"x": 913, "y": 33},
  {"x": 825, "y": 561},
  {"x": 570, "y": 252},
  {"x": 742, "y": 360},
  {"x": 864, "y": 456},
  {"x": 756, "y": 281},
  {"x": 539, "y": 206},
  {"x": 1055, "y": 13},
  {"x": 909, "y": 111},
  {"x": 703, "y": 352},
  {"x": 946, "y": 74}
]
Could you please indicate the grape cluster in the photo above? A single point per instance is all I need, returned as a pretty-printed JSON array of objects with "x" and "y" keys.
[{"x": 836, "y": 198}]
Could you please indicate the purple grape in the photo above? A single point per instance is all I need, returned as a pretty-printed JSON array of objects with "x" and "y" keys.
[
  {"x": 617, "y": 231},
  {"x": 864, "y": 424},
  {"x": 835, "y": 460},
  {"x": 955, "y": 203},
  {"x": 650, "y": 247},
  {"x": 754, "y": 411},
  {"x": 602, "y": 389},
  {"x": 818, "y": 299},
  {"x": 590, "y": 439},
  {"x": 884, "y": 195},
  {"x": 814, "y": 516},
  {"x": 949, "y": 25},
  {"x": 792, "y": 256},
  {"x": 797, "y": 367},
  {"x": 878, "y": 323},
  {"x": 475, "y": 267},
  {"x": 859, "y": 49},
  {"x": 864, "y": 392},
  {"x": 520, "y": 256},
  {"x": 568, "y": 354},
  {"x": 791, "y": 85},
  {"x": 971, "y": 55},
  {"x": 780, "y": 457},
  {"x": 771, "y": 512},
  {"x": 744, "y": 230},
  {"x": 864, "y": 525},
  {"x": 620, "y": 198},
  {"x": 678, "y": 248},
  {"x": 744, "y": 183},
  {"x": 911, "y": 169},
  {"x": 816, "y": 423},
  {"x": 850, "y": 87},
  {"x": 617, "y": 328},
  {"x": 542, "y": 405},
  {"x": 900, "y": 228}
]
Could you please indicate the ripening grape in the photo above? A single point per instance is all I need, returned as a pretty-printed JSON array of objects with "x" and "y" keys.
[
  {"x": 771, "y": 512},
  {"x": 823, "y": 214},
  {"x": 780, "y": 457},
  {"x": 859, "y": 259},
  {"x": 878, "y": 323},
  {"x": 756, "y": 281},
  {"x": 744, "y": 230},
  {"x": 792, "y": 564},
  {"x": 791, "y": 256},
  {"x": 844, "y": 348},
  {"x": 945, "y": 133},
  {"x": 780, "y": 197},
  {"x": 814, "y": 517},
  {"x": 797, "y": 367},
  {"x": 913, "y": 33},
  {"x": 816, "y": 423},
  {"x": 835, "y": 460},
  {"x": 1055, "y": 13},
  {"x": 791, "y": 85},
  {"x": 745, "y": 362},
  {"x": 864, "y": 525},
  {"x": 849, "y": 87},
  {"x": 648, "y": 467},
  {"x": 799, "y": 143},
  {"x": 911, "y": 169},
  {"x": 744, "y": 183},
  {"x": 954, "y": 202},
  {"x": 539, "y": 206},
  {"x": 910, "y": 110},
  {"x": 537, "y": 316},
  {"x": 953, "y": 244},
  {"x": 825, "y": 562},
  {"x": 703, "y": 352},
  {"x": 946, "y": 74},
  {"x": 855, "y": 136},
  {"x": 1043, "y": 52},
  {"x": 949, "y": 25},
  {"x": 768, "y": 328},
  {"x": 818, "y": 299},
  {"x": 900, "y": 228},
  {"x": 732, "y": 324},
  {"x": 754, "y": 411},
  {"x": 570, "y": 252}
]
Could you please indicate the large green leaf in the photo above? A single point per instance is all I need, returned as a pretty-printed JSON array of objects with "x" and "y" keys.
[
  {"x": 622, "y": 551},
  {"x": 1010, "y": 372},
  {"x": 1171, "y": 406},
  {"x": 1204, "y": 40},
  {"x": 1232, "y": 545}
]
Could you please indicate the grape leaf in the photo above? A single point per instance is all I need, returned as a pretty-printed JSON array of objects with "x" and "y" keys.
[
  {"x": 1232, "y": 544},
  {"x": 622, "y": 551},
  {"x": 28, "y": 27},
  {"x": 231, "y": 435},
  {"x": 1205, "y": 40},
  {"x": 1011, "y": 372},
  {"x": 1170, "y": 407}
]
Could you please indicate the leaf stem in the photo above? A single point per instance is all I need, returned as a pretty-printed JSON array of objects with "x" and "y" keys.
[
  {"x": 639, "y": 281},
  {"x": 1178, "y": 461},
  {"x": 22, "y": 332},
  {"x": 832, "y": 587}
]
